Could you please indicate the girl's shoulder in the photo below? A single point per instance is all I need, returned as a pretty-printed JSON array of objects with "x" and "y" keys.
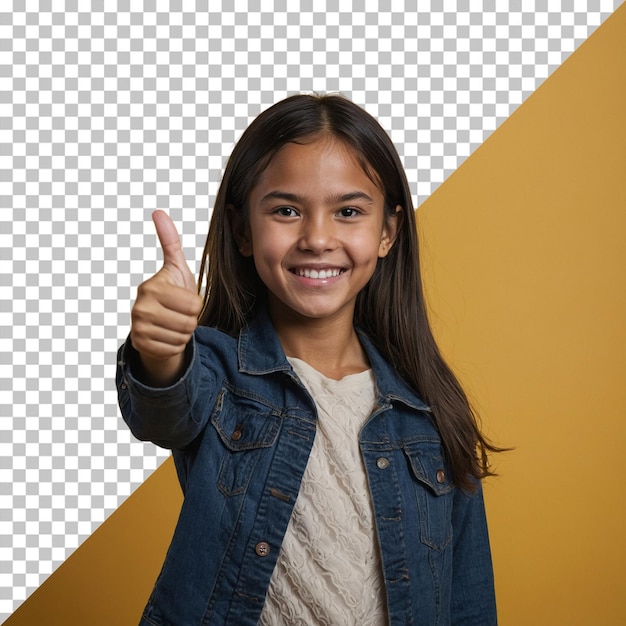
[
  {"x": 214, "y": 349},
  {"x": 209, "y": 335},
  {"x": 254, "y": 350}
]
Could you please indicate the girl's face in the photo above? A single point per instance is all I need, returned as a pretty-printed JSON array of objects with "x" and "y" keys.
[{"x": 316, "y": 227}]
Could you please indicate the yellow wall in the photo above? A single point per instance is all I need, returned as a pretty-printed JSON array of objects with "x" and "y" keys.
[
  {"x": 107, "y": 581},
  {"x": 524, "y": 258}
]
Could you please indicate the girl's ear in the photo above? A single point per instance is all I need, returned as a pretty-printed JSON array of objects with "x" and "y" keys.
[
  {"x": 391, "y": 228},
  {"x": 240, "y": 229}
]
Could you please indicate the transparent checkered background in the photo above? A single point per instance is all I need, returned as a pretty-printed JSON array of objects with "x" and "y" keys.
[{"x": 108, "y": 113}]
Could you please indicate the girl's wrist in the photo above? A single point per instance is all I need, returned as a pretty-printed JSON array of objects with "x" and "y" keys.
[{"x": 161, "y": 372}]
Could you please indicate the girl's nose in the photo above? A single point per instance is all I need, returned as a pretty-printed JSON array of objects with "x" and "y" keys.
[{"x": 317, "y": 235}]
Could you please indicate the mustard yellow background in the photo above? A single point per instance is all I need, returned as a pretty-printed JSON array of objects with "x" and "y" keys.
[
  {"x": 525, "y": 258},
  {"x": 524, "y": 255}
]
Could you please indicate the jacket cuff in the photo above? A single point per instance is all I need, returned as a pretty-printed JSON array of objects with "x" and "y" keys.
[{"x": 179, "y": 394}]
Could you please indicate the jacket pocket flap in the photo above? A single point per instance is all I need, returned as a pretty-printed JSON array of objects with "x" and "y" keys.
[
  {"x": 428, "y": 466},
  {"x": 244, "y": 423}
]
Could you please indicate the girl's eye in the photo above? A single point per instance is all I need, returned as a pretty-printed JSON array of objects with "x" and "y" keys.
[
  {"x": 286, "y": 211},
  {"x": 348, "y": 212}
]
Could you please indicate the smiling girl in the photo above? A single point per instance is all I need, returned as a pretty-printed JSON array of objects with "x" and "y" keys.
[{"x": 330, "y": 462}]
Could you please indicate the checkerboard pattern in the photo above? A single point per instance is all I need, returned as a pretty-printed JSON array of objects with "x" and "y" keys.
[{"x": 109, "y": 110}]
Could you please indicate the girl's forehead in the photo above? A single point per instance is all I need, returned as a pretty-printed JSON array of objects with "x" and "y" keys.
[
  {"x": 318, "y": 147},
  {"x": 322, "y": 143},
  {"x": 322, "y": 148}
]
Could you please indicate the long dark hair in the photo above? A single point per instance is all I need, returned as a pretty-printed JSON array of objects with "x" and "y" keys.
[{"x": 390, "y": 309}]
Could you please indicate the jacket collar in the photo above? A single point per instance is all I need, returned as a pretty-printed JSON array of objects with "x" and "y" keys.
[
  {"x": 260, "y": 352},
  {"x": 259, "y": 349}
]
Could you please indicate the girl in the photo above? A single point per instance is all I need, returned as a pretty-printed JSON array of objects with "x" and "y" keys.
[{"x": 329, "y": 459}]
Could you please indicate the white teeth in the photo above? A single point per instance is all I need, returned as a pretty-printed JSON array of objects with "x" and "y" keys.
[{"x": 329, "y": 273}]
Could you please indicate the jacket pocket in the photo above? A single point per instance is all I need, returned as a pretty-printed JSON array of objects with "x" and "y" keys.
[
  {"x": 434, "y": 493},
  {"x": 246, "y": 426}
]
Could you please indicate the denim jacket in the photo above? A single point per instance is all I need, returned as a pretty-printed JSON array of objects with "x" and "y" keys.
[{"x": 241, "y": 426}]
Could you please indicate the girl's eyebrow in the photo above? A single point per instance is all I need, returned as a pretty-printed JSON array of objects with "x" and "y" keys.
[
  {"x": 281, "y": 195},
  {"x": 348, "y": 197},
  {"x": 332, "y": 199}
]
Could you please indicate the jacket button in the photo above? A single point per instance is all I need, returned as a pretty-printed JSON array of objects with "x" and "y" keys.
[
  {"x": 236, "y": 436},
  {"x": 441, "y": 476},
  {"x": 262, "y": 548},
  {"x": 382, "y": 463}
]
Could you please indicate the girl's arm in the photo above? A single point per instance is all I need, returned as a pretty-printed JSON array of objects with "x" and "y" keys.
[
  {"x": 172, "y": 416},
  {"x": 473, "y": 595},
  {"x": 158, "y": 377}
]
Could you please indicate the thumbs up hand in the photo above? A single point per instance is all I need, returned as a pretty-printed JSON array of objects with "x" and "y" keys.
[{"x": 166, "y": 310}]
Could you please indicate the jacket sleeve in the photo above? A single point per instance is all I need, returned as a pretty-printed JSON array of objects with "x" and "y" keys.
[
  {"x": 171, "y": 417},
  {"x": 473, "y": 595}
]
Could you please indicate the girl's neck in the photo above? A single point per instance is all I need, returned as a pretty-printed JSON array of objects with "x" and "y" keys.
[{"x": 331, "y": 348}]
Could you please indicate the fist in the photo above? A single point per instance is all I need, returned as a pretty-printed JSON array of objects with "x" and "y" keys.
[{"x": 166, "y": 310}]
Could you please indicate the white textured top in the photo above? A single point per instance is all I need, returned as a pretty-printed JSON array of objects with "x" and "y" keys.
[{"x": 329, "y": 570}]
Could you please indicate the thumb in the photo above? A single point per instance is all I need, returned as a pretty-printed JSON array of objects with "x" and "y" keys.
[{"x": 173, "y": 256}]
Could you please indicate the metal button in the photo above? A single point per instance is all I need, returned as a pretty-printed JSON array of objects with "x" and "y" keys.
[
  {"x": 262, "y": 548},
  {"x": 236, "y": 436},
  {"x": 382, "y": 463},
  {"x": 441, "y": 476}
]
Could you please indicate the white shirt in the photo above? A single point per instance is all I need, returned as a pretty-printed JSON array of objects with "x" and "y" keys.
[{"x": 329, "y": 570}]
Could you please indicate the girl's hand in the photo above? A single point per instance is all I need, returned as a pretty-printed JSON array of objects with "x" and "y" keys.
[{"x": 166, "y": 311}]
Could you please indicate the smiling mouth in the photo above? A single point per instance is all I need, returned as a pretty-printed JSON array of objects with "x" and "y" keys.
[{"x": 330, "y": 272}]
